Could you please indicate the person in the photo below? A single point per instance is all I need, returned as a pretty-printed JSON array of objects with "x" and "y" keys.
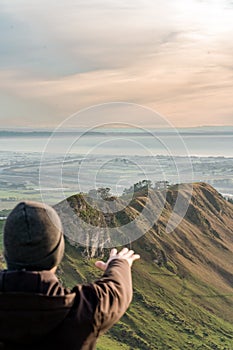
[{"x": 36, "y": 311}]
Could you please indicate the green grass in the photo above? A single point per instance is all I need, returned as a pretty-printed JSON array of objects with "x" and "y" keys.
[
  {"x": 107, "y": 343},
  {"x": 27, "y": 194}
]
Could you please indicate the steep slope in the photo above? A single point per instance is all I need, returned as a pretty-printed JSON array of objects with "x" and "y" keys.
[
  {"x": 183, "y": 285},
  {"x": 202, "y": 244}
]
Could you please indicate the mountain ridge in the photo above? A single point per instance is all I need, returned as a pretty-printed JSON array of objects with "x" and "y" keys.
[{"x": 183, "y": 284}]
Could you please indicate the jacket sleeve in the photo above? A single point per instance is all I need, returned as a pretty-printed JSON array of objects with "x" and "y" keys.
[
  {"x": 114, "y": 294},
  {"x": 102, "y": 303}
]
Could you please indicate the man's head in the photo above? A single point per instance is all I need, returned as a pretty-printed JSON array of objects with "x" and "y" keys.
[{"x": 33, "y": 237}]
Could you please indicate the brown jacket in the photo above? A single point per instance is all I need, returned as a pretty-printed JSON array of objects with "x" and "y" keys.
[{"x": 37, "y": 312}]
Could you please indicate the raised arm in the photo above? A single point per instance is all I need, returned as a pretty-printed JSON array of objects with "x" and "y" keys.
[{"x": 114, "y": 289}]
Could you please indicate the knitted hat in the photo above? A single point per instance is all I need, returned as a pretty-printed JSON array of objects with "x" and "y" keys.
[{"x": 33, "y": 237}]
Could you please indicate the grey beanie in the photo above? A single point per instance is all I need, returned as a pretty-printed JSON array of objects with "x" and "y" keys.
[{"x": 33, "y": 237}]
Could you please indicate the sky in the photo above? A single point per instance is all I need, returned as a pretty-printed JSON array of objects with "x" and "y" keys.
[{"x": 58, "y": 57}]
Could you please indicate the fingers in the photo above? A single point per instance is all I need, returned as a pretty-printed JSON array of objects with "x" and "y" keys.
[
  {"x": 101, "y": 265},
  {"x": 126, "y": 253},
  {"x": 136, "y": 257},
  {"x": 123, "y": 251},
  {"x": 113, "y": 252},
  {"x": 130, "y": 253}
]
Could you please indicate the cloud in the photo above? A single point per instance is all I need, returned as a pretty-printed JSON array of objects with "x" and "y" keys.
[
  {"x": 58, "y": 57},
  {"x": 91, "y": 36},
  {"x": 184, "y": 96}
]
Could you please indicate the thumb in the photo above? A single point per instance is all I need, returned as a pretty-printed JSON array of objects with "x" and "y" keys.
[{"x": 101, "y": 265}]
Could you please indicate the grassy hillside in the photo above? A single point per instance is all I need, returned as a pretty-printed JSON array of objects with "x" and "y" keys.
[
  {"x": 183, "y": 284},
  {"x": 168, "y": 311}
]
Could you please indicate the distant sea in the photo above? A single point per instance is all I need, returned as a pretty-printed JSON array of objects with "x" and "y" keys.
[{"x": 218, "y": 144}]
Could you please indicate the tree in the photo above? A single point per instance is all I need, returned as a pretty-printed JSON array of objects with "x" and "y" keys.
[
  {"x": 144, "y": 184},
  {"x": 104, "y": 192}
]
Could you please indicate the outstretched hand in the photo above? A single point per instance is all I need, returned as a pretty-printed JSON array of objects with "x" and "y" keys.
[{"x": 125, "y": 253}]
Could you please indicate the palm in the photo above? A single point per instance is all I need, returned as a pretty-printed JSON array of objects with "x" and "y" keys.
[{"x": 125, "y": 254}]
